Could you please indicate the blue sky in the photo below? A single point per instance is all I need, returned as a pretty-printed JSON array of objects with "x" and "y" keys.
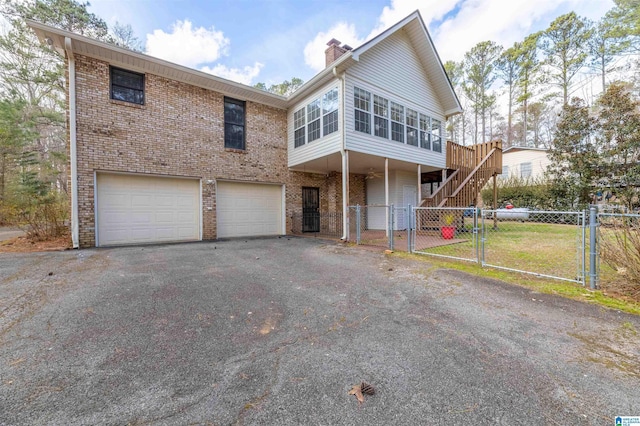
[{"x": 274, "y": 40}]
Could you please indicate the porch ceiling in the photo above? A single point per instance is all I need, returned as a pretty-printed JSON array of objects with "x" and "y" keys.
[{"x": 359, "y": 163}]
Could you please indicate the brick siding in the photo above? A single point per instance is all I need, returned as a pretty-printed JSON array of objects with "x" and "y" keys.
[{"x": 180, "y": 132}]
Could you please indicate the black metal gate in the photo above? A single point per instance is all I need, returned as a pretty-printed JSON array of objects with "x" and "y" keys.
[{"x": 310, "y": 209}]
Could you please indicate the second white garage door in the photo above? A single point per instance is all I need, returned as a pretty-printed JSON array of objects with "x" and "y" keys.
[
  {"x": 135, "y": 209},
  {"x": 249, "y": 209}
]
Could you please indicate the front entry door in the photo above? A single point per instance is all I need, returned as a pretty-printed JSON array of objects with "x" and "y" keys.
[{"x": 310, "y": 210}]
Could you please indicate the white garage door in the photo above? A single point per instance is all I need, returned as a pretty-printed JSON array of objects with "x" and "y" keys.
[
  {"x": 146, "y": 209},
  {"x": 249, "y": 209}
]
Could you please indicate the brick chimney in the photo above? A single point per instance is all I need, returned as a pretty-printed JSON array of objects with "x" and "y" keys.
[{"x": 334, "y": 51}]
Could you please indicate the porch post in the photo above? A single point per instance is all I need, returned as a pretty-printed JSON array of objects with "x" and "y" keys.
[
  {"x": 345, "y": 194},
  {"x": 419, "y": 185},
  {"x": 386, "y": 192}
]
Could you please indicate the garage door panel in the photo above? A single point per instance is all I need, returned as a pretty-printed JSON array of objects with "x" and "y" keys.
[
  {"x": 143, "y": 209},
  {"x": 248, "y": 209}
]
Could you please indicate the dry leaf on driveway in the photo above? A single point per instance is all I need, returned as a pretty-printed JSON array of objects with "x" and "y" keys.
[{"x": 357, "y": 391}]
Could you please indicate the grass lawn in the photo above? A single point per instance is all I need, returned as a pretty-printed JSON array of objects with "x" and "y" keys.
[{"x": 542, "y": 248}]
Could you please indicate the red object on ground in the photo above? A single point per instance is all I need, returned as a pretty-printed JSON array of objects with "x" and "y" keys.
[
  {"x": 508, "y": 206},
  {"x": 448, "y": 232}
]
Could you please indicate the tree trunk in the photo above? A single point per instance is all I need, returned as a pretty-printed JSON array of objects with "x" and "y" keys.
[
  {"x": 604, "y": 72},
  {"x": 509, "y": 131}
]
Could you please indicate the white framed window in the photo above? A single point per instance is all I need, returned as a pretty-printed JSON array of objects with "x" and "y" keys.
[
  {"x": 505, "y": 172},
  {"x": 317, "y": 119},
  {"x": 299, "y": 127},
  {"x": 313, "y": 120},
  {"x": 525, "y": 170},
  {"x": 412, "y": 127},
  {"x": 330, "y": 112},
  {"x": 436, "y": 135},
  {"x": 425, "y": 139},
  {"x": 393, "y": 120},
  {"x": 362, "y": 107},
  {"x": 381, "y": 116},
  {"x": 397, "y": 122}
]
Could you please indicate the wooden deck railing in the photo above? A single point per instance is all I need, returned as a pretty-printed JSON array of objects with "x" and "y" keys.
[
  {"x": 474, "y": 166},
  {"x": 468, "y": 157}
]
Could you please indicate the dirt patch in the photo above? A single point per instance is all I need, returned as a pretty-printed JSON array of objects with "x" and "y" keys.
[{"x": 25, "y": 245}]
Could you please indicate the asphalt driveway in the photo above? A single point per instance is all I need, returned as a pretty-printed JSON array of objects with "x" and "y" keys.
[{"x": 276, "y": 331}]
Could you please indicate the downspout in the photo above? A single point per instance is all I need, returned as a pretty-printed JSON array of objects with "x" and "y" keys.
[
  {"x": 345, "y": 160},
  {"x": 73, "y": 152}
]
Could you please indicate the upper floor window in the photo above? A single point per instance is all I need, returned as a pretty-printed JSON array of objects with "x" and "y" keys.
[
  {"x": 525, "y": 170},
  {"x": 397, "y": 120},
  {"x": 330, "y": 112},
  {"x": 362, "y": 104},
  {"x": 436, "y": 135},
  {"x": 412, "y": 127},
  {"x": 313, "y": 118},
  {"x": 425, "y": 140},
  {"x": 317, "y": 119},
  {"x": 381, "y": 116},
  {"x": 127, "y": 86},
  {"x": 298, "y": 127},
  {"x": 234, "y": 124}
]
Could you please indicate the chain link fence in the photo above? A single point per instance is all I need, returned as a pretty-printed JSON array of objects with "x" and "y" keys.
[
  {"x": 545, "y": 243},
  {"x": 447, "y": 232},
  {"x": 369, "y": 225}
]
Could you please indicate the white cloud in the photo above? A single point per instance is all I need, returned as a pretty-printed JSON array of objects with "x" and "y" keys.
[
  {"x": 400, "y": 9},
  {"x": 314, "y": 50},
  {"x": 198, "y": 48},
  {"x": 186, "y": 45},
  {"x": 458, "y": 25},
  {"x": 505, "y": 22},
  {"x": 244, "y": 75}
]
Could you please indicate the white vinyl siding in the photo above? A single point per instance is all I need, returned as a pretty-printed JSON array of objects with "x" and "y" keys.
[
  {"x": 324, "y": 146},
  {"x": 399, "y": 182},
  {"x": 513, "y": 159},
  {"x": 394, "y": 66}
]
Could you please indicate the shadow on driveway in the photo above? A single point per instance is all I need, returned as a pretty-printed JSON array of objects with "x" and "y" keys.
[{"x": 276, "y": 331}]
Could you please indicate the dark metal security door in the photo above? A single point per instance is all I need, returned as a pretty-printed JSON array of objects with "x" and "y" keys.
[{"x": 310, "y": 210}]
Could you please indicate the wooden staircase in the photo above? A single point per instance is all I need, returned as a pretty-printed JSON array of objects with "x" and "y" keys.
[{"x": 473, "y": 167}]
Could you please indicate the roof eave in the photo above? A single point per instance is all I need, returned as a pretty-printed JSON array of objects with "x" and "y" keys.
[
  {"x": 57, "y": 36},
  {"x": 340, "y": 65}
]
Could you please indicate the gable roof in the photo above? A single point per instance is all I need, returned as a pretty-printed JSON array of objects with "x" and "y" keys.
[
  {"x": 413, "y": 25},
  {"x": 516, "y": 148}
]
